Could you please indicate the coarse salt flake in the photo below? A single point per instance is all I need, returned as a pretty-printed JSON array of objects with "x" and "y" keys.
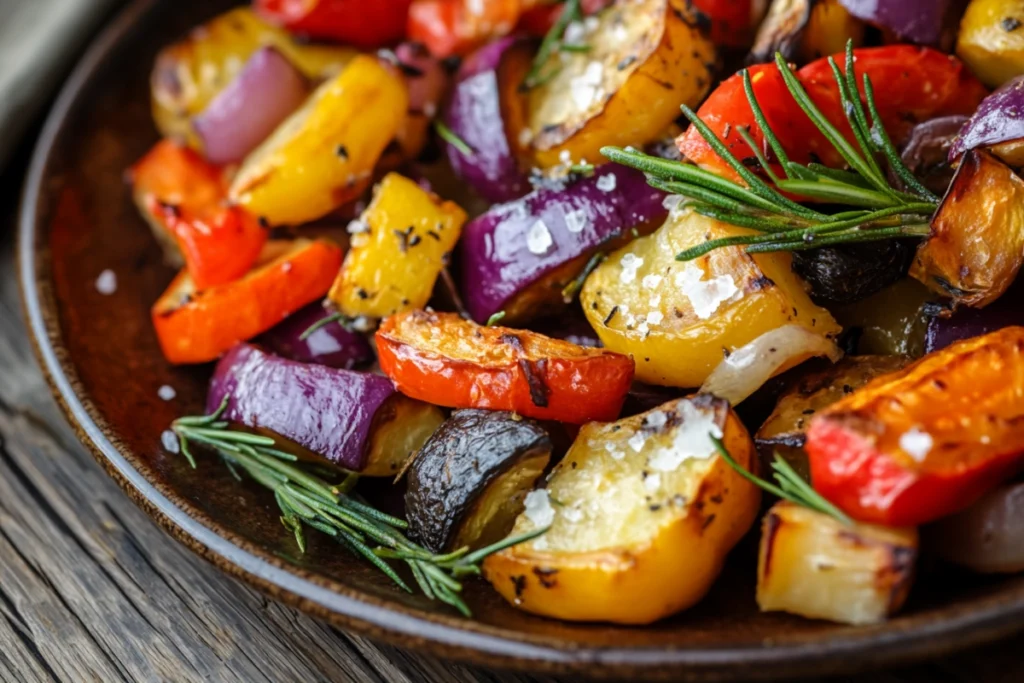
[
  {"x": 630, "y": 263},
  {"x": 169, "y": 440},
  {"x": 651, "y": 281},
  {"x": 166, "y": 392},
  {"x": 692, "y": 439},
  {"x": 585, "y": 89},
  {"x": 637, "y": 441},
  {"x": 538, "y": 238},
  {"x": 106, "y": 283},
  {"x": 537, "y": 508},
  {"x": 916, "y": 443},
  {"x": 652, "y": 482},
  {"x": 614, "y": 452},
  {"x": 575, "y": 220},
  {"x": 606, "y": 183},
  {"x": 655, "y": 317},
  {"x": 705, "y": 295}
]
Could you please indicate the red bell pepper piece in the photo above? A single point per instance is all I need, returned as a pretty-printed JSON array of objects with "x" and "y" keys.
[
  {"x": 443, "y": 359},
  {"x": 366, "y": 25},
  {"x": 928, "y": 440},
  {"x": 911, "y": 84},
  {"x": 185, "y": 197},
  {"x": 198, "y": 326}
]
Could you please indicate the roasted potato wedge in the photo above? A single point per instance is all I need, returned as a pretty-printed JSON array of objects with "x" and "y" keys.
[
  {"x": 924, "y": 442},
  {"x": 815, "y": 566},
  {"x": 804, "y": 30},
  {"x": 991, "y": 40},
  {"x": 976, "y": 245},
  {"x": 677, "y": 319},
  {"x": 645, "y": 58},
  {"x": 323, "y": 155},
  {"x": 190, "y": 73},
  {"x": 468, "y": 482},
  {"x": 392, "y": 265},
  {"x": 642, "y": 513}
]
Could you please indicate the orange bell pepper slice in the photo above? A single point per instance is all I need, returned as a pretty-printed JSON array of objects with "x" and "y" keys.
[
  {"x": 197, "y": 326},
  {"x": 928, "y": 440},
  {"x": 184, "y": 196},
  {"x": 443, "y": 359},
  {"x": 911, "y": 84},
  {"x": 366, "y": 25}
]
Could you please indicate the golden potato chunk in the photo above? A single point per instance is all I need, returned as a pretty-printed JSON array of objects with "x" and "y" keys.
[
  {"x": 815, "y": 566},
  {"x": 677, "y": 319},
  {"x": 642, "y": 513}
]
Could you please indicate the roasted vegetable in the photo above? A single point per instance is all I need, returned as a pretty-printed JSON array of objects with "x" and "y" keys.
[
  {"x": 677, "y": 319},
  {"x": 428, "y": 81},
  {"x": 991, "y": 39},
  {"x": 749, "y": 367},
  {"x": 964, "y": 323},
  {"x": 927, "y": 151},
  {"x": 244, "y": 113},
  {"x": 645, "y": 58},
  {"x": 804, "y": 30},
  {"x": 190, "y": 73},
  {"x": 468, "y": 482},
  {"x": 198, "y": 326},
  {"x": 366, "y": 25},
  {"x": 890, "y": 453},
  {"x": 642, "y": 513},
  {"x": 911, "y": 84},
  {"x": 448, "y": 361},
  {"x": 323, "y": 154},
  {"x": 987, "y": 537},
  {"x": 182, "y": 197},
  {"x": 731, "y": 22},
  {"x": 487, "y": 113},
  {"x": 353, "y": 419},
  {"x": 332, "y": 345},
  {"x": 815, "y": 566},
  {"x": 850, "y": 272},
  {"x": 997, "y": 126},
  {"x": 785, "y": 430},
  {"x": 891, "y": 322},
  {"x": 519, "y": 257},
  {"x": 392, "y": 265},
  {"x": 976, "y": 245},
  {"x": 451, "y": 27},
  {"x": 931, "y": 23}
]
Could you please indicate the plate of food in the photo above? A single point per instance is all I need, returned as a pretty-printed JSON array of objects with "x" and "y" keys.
[{"x": 628, "y": 338}]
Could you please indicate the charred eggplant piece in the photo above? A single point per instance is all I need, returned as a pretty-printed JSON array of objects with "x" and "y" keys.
[
  {"x": 851, "y": 272},
  {"x": 927, "y": 152},
  {"x": 467, "y": 485}
]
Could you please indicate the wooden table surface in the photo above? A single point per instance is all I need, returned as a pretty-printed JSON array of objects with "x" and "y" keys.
[{"x": 92, "y": 590}]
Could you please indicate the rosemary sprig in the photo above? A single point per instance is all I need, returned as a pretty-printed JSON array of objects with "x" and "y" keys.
[
  {"x": 791, "y": 486},
  {"x": 452, "y": 138},
  {"x": 571, "y": 290},
  {"x": 307, "y": 500},
  {"x": 495, "y": 319},
  {"x": 552, "y": 43},
  {"x": 877, "y": 210},
  {"x": 339, "y": 318}
]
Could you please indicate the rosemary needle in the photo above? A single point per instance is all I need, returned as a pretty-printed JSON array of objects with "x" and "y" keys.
[
  {"x": 873, "y": 209},
  {"x": 307, "y": 500}
]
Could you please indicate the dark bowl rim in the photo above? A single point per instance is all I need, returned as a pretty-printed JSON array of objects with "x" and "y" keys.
[{"x": 898, "y": 642}]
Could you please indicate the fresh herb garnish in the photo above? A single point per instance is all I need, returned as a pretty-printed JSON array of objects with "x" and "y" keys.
[
  {"x": 495, "y": 319},
  {"x": 449, "y": 136},
  {"x": 553, "y": 42},
  {"x": 307, "y": 500},
  {"x": 584, "y": 169},
  {"x": 339, "y": 318},
  {"x": 571, "y": 290},
  {"x": 791, "y": 486},
  {"x": 878, "y": 210}
]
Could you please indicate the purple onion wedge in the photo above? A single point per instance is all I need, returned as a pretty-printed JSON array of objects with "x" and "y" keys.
[
  {"x": 926, "y": 153},
  {"x": 248, "y": 110},
  {"x": 998, "y": 125},
  {"x": 966, "y": 323},
  {"x": 355, "y": 420},
  {"x": 520, "y": 256},
  {"x": 925, "y": 22},
  {"x": 331, "y": 345},
  {"x": 485, "y": 112}
]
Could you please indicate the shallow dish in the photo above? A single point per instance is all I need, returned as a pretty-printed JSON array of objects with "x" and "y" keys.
[{"x": 104, "y": 366}]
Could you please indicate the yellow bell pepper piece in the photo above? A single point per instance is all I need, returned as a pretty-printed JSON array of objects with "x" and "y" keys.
[
  {"x": 323, "y": 155},
  {"x": 392, "y": 265}
]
